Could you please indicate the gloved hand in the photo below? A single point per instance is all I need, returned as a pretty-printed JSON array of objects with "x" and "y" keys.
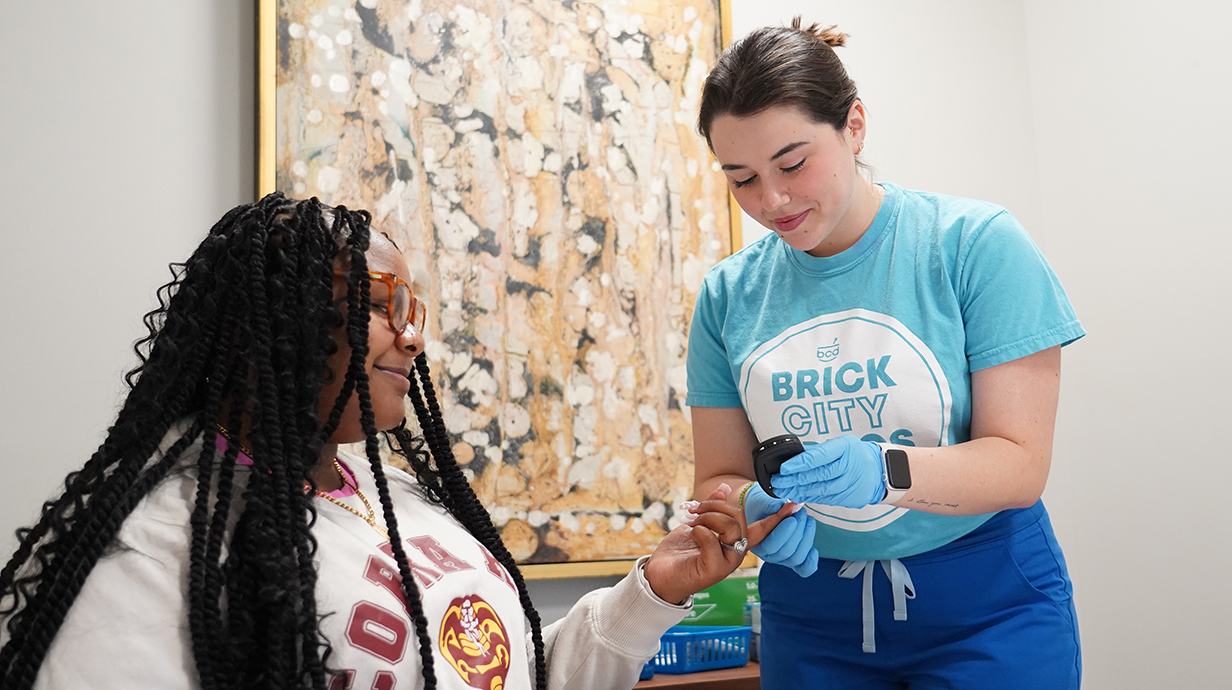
[
  {"x": 789, "y": 544},
  {"x": 843, "y": 471}
]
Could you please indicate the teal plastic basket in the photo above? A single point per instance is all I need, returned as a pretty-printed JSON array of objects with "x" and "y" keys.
[{"x": 689, "y": 648}]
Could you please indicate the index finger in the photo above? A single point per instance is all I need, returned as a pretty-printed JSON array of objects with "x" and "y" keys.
[{"x": 761, "y": 529}]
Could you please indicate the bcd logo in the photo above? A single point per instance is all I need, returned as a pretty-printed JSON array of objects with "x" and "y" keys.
[{"x": 828, "y": 353}]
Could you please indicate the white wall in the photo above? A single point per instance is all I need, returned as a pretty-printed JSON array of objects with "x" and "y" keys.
[
  {"x": 126, "y": 128},
  {"x": 1102, "y": 124},
  {"x": 1131, "y": 103}
]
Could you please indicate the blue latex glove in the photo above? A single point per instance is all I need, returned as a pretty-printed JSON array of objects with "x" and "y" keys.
[
  {"x": 789, "y": 544},
  {"x": 843, "y": 471}
]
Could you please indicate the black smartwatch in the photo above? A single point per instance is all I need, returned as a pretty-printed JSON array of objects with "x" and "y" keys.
[
  {"x": 769, "y": 456},
  {"x": 896, "y": 473}
]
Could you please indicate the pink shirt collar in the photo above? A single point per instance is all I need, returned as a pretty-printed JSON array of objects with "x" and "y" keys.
[{"x": 242, "y": 459}]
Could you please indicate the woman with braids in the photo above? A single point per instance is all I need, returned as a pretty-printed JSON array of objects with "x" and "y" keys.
[
  {"x": 219, "y": 538},
  {"x": 912, "y": 341}
]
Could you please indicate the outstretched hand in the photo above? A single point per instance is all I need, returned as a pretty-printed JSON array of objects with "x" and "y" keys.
[{"x": 691, "y": 558}]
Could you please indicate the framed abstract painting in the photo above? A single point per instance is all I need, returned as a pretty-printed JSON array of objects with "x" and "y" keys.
[{"x": 538, "y": 163}]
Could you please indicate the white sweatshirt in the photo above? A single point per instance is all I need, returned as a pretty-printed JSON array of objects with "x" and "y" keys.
[{"x": 128, "y": 629}]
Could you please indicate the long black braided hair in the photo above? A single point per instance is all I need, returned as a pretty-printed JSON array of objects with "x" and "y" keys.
[{"x": 231, "y": 341}]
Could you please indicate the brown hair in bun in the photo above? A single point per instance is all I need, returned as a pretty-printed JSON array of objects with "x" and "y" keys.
[{"x": 780, "y": 66}]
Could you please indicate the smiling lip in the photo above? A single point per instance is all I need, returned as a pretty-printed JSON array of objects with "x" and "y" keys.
[
  {"x": 401, "y": 376},
  {"x": 789, "y": 223}
]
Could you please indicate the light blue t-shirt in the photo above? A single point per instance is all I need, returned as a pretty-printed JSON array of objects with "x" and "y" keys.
[{"x": 878, "y": 341}]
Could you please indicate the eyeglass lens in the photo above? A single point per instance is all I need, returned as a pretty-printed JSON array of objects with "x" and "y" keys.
[
  {"x": 400, "y": 307},
  {"x": 404, "y": 309}
]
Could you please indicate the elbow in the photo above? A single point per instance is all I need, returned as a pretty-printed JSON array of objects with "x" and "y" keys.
[
  {"x": 1032, "y": 463},
  {"x": 1021, "y": 497},
  {"x": 1027, "y": 501},
  {"x": 1032, "y": 488}
]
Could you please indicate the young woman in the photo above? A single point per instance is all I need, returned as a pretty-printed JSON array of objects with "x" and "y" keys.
[
  {"x": 220, "y": 538},
  {"x": 912, "y": 340}
]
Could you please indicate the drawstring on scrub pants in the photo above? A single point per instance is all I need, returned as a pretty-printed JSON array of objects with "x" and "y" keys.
[{"x": 900, "y": 583}]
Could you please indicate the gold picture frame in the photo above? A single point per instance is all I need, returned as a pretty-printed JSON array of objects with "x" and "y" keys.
[{"x": 291, "y": 26}]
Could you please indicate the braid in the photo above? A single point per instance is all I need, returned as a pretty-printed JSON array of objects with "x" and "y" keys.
[
  {"x": 33, "y": 633},
  {"x": 54, "y": 523},
  {"x": 269, "y": 524},
  {"x": 357, "y": 330},
  {"x": 226, "y": 340},
  {"x": 315, "y": 282},
  {"x": 459, "y": 498}
]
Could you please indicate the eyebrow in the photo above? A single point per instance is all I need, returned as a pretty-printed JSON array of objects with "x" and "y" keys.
[{"x": 781, "y": 152}]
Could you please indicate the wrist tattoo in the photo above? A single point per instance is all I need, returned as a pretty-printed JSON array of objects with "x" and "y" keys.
[{"x": 931, "y": 504}]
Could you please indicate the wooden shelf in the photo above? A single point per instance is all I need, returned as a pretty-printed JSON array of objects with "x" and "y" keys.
[{"x": 741, "y": 678}]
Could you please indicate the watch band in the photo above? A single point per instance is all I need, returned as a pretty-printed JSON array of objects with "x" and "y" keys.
[{"x": 893, "y": 494}]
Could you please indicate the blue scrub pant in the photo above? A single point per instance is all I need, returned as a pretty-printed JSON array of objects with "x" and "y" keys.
[{"x": 993, "y": 609}]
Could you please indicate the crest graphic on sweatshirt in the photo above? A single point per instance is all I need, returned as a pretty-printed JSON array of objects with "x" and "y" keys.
[{"x": 475, "y": 643}]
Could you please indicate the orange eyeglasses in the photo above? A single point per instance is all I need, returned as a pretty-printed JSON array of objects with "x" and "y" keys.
[{"x": 401, "y": 307}]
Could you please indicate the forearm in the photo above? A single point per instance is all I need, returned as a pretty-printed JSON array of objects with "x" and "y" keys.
[
  {"x": 607, "y": 636},
  {"x": 983, "y": 475},
  {"x": 737, "y": 482},
  {"x": 1006, "y": 463},
  {"x": 723, "y": 444}
]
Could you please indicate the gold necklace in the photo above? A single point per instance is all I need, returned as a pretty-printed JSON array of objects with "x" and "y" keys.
[
  {"x": 227, "y": 435},
  {"x": 370, "y": 518}
]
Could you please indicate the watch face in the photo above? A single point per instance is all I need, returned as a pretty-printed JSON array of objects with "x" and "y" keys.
[{"x": 898, "y": 470}]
